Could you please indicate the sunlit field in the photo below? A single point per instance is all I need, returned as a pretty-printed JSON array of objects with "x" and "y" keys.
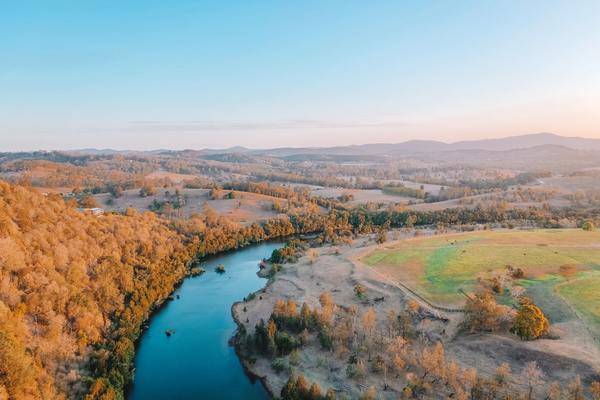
[{"x": 439, "y": 267}]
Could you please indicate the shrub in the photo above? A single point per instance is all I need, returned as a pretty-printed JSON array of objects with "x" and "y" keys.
[
  {"x": 297, "y": 388},
  {"x": 378, "y": 364},
  {"x": 530, "y": 322},
  {"x": 285, "y": 343},
  {"x": 195, "y": 271},
  {"x": 280, "y": 365},
  {"x": 360, "y": 290},
  {"x": 325, "y": 339},
  {"x": 147, "y": 190},
  {"x": 357, "y": 370},
  {"x": 88, "y": 202},
  {"x": 381, "y": 236},
  {"x": 588, "y": 226},
  {"x": 484, "y": 314}
]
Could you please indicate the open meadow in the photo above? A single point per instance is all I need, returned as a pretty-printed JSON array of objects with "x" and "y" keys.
[
  {"x": 560, "y": 268},
  {"x": 244, "y": 208}
]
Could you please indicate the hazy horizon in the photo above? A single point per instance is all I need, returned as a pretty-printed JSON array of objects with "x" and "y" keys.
[
  {"x": 151, "y": 75},
  {"x": 307, "y": 145}
]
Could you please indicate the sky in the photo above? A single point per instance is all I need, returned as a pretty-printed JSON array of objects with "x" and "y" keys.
[{"x": 214, "y": 74}]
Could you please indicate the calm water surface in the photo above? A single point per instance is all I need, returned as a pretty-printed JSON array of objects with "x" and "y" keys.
[{"x": 196, "y": 362}]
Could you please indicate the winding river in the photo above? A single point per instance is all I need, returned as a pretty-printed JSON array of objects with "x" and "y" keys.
[{"x": 196, "y": 361}]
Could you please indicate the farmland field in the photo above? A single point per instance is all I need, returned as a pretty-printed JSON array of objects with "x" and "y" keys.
[
  {"x": 584, "y": 295},
  {"x": 438, "y": 267}
]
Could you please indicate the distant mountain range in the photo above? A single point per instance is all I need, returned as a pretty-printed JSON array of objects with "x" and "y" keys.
[
  {"x": 429, "y": 146},
  {"x": 412, "y": 147}
]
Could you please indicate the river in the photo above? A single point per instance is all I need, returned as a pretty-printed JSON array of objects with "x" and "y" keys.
[{"x": 196, "y": 361}]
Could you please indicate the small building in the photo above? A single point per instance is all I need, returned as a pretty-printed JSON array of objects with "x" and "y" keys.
[{"x": 92, "y": 211}]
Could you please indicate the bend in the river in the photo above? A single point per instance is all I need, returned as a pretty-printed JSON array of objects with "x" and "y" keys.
[{"x": 196, "y": 361}]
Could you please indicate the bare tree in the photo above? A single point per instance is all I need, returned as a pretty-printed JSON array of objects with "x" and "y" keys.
[
  {"x": 553, "y": 392},
  {"x": 595, "y": 390},
  {"x": 531, "y": 376},
  {"x": 575, "y": 389},
  {"x": 368, "y": 321}
]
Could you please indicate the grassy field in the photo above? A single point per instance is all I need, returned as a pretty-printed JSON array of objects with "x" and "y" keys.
[
  {"x": 437, "y": 267},
  {"x": 584, "y": 295}
]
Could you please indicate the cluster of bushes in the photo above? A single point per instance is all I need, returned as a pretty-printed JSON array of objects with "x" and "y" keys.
[
  {"x": 269, "y": 340},
  {"x": 166, "y": 207},
  {"x": 286, "y": 316},
  {"x": 288, "y": 253},
  {"x": 288, "y": 329},
  {"x": 298, "y": 388},
  {"x": 485, "y": 314}
]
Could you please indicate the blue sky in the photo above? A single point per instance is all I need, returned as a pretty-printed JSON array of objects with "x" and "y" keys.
[{"x": 195, "y": 74}]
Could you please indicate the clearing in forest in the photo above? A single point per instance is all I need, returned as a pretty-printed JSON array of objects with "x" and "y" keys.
[{"x": 561, "y": 267}]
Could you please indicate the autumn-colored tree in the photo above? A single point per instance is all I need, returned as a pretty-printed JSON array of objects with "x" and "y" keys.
[
  {"x": 381, "y": 236},
  {"x": 313, "y": 255},
  {"x": 271, "y": 328},
  {"x": 101, "y": 389},
  {"x": 147, "y": 190},
  {"x": 368, "y": 321},
  {"x": 502, "y": 374},
  {"x": 468, "y": 379},
  {"x": 553, "y": 391},
  {"x": 369, "y": 394},
  {"x": 396, "y": 352},
  {"x": 88, "y": 202},
  {"x": 314, "y": 392},
  {"x": 483, "y": 313},
  {"x": 588, "y": 226},
  {"x": 330, "y": 395},
  {"x": 575, "y": 389},
  {"x": 433, "y": 361},
  {"x": 327, "y": 308},
  {"x": 530, "y": 322},
  {"x": 595, "y": 390},
  {"x": 413, "y": 306}
]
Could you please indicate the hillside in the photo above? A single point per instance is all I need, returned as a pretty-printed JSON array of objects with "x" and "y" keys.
[{"x": 75, "y": 290}]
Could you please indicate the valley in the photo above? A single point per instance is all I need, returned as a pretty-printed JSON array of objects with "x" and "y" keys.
[{"x": 432, "y": 260}]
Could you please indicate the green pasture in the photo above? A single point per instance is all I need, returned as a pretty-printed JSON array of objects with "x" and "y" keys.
[
  {"x": 438, "y": 267},
  {"x": 583, "y": 294}
]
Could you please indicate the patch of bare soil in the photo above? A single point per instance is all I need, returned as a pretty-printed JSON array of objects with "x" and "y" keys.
[{"x": 486, "y": 352}]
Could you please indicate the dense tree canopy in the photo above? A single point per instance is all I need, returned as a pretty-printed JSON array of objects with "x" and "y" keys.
[{"x": 69, "y": 282}]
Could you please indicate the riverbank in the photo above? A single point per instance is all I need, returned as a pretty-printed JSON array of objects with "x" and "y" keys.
[
  {"x": 304, "y": 281},
  {"x": 247, "y": 364}
]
